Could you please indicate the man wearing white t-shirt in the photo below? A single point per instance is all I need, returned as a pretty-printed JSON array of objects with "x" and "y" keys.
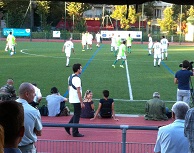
[
  {"x": 150, "y": 44},
  {"x": 157, "y": 50},
  {"x": 54, "y": 101},
  {"x": 75, "y": 98},
  {"x": 165, "y": 45},
  {"x": 98, "y": 36},
  {"x": 67, "y": 48},
  {"x": 113, "y": 43},
  {"x": 89, "y": 41}
]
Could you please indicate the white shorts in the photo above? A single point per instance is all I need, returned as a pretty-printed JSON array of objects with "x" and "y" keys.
[
  {"x": 89, "y": 42},
  {"x": 121, "y": 57},
  {"x": 98, "y": 40},
  {"x": 150, "y": 45},
  {"x": 84, "y": 43},
  {"x": 157, "y": 56},
  {"x": 68, "y": 53},
  {"x": 164, "y": 50},
  {"x": 116, "y": 47},
  {"x": 11, "y": 47}
]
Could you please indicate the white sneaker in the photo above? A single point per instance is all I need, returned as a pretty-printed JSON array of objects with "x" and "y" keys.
[
  {"x": 121, "y": 66},
  {"x": 113, "y": 66}
]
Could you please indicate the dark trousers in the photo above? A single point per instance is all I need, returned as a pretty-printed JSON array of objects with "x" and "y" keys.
[{"x": 76, "y": 117}]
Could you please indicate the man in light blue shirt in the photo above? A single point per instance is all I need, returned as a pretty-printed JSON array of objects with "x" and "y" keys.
[
  {"x": 32, "y": 118},
  {"x": 171, "y": 137}
]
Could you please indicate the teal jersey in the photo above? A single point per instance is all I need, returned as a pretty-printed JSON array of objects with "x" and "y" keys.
[
  {"x": 129, "y": 41},
  {"x": 122, "y": 50}
]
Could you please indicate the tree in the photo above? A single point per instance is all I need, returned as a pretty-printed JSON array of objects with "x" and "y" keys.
[
  {"x": 167, "y": 23},
  {"x": 76, "y": 10},
  {"x": 43, "y": 8},
  {"x": 119, "y": 13}
]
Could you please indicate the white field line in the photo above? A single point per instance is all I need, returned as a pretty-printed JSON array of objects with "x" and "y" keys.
[{"x": 128, "y": 80}]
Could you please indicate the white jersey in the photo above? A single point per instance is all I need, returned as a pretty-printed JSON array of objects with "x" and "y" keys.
[
  {"x": 164, "y": 43},
  {"x": 150, "y": 44},
  {"x": 113, "y": 41},
  {"x": 68, "y": 46},
  {"x": 89, "y": 39},
  {"x": 98, "y": 37},
  {"x": 157, "y": 48},
  {"x": 73, "y": 96},
  {"x": 84, "y": 39}
]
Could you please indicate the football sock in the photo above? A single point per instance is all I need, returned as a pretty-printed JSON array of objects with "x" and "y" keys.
[
  {"x": 67, "y": 62},
  {"x": 115, "y": 53},
  {"x": 123, "y": 62},
  {"x": 111, "y": 49},
  {"x": 166, "y": 54},
  {"x": 159, "y": 61},
  {"x": 129, "y": 49},
  {"x": 150, "y": 51},
  {"x": 154, "y": 62},
  {"x": 115, "y": 62},
  {"x": 162, "y": 56}
]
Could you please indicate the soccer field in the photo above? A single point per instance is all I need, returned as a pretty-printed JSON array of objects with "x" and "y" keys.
[{"x": 44, "y": 64}]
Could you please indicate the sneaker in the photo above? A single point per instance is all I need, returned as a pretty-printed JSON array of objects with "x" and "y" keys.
[
  {"x": 158, "y": 65},
  {"x": 113, "y": 66},
  {"x": 121, "y": 66},
  {"x": 83, "y": 50}
]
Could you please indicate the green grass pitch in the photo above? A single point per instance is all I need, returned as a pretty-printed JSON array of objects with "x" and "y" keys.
[{"x": 44, "y": 64}]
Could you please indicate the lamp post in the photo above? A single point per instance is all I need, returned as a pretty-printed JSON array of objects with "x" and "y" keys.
[
  {"x": 65, "y": 22},
  {"x": 142, "y": 22},
  {"x": 180, "y": 37},
  {"x": 31, "y": 20}
]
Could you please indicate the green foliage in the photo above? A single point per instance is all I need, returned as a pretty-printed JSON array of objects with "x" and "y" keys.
[
  {"x": 43, "y": 8},
  {"x": 77, "y": 9},
  {"x": 80, "y": 25},
  {"x": 167, "y": 23},
  {"x": 120, "y": 12}
]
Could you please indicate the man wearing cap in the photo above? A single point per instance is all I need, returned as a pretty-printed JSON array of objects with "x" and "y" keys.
[
  {"x": 155, "y": 108},
  {"x": 54, "y": 102}
]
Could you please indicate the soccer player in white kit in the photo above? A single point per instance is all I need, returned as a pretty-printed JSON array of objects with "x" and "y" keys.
[
  {"x": 150, "y": 45},
  {"x": 68, "y": 47},
  {"x": 98, "y": 36},
  {"x": 83, "y": 41},
  {"x": 113, "y": 43},
  {"x": 157, "y": 50},
  {"x": 89, "y": 41},
  {"x": 164, "y": 42}
]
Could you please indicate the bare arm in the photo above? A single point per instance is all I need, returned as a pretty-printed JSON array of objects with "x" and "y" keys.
[
  {"x": 98, "y": 110},
  {"x": 113, "y": 112},
  {"x": 175, "y": 81},
  {"x": 80, "y": 97},
  {"x": 38, "y": 133},
  {"x": 63, "y": 48}
]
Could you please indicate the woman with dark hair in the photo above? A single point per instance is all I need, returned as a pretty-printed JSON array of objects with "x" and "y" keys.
[{"x": 105, "y": 107}]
